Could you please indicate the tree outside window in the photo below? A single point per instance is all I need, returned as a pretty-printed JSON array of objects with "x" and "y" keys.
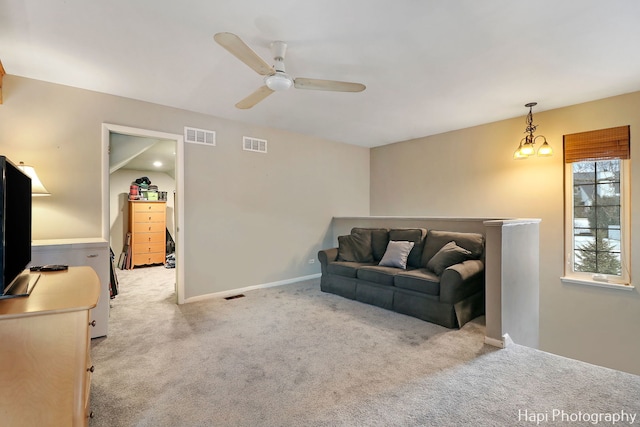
[{"x": 596, "y": 214}]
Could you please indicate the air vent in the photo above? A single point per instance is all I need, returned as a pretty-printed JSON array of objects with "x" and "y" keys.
[
  {"x": 200, "y": 136},
  {"x": 234, "y": 297},
  {"x": 254, "y": 144}
]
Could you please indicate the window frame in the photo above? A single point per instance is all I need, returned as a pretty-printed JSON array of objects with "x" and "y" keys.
[{"x": 625, "y": 213}]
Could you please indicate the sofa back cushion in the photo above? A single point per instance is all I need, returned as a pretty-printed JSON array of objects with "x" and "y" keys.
[
  {"x": 473, "y": 242},
  {"x": 415, "y": 235},
  {"x": 356, "y": 247},
  {"x": 379, "y": 240}
]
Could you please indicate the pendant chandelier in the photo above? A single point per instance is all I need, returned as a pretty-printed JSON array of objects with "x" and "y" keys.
[{"x": 527, "y": 145}]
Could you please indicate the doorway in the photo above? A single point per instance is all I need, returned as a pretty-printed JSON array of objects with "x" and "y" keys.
[{"x": 144, "y": 139}]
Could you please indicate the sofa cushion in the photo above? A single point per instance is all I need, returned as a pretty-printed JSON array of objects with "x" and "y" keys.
[
  {"x": 419, "y": 280},
  {"x": 343, "y": 268},
  {"x": 355, "y": 247},
  {"x": 379, "y": 240},
  {"x": 415, "y": 235},
  {"x": 378, "y": 274},
  {"x": 447, "y": 256},
  {"x": 473, "y": 242}
]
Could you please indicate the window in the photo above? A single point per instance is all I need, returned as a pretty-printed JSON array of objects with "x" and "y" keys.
[{"x": 596, "y": 198}]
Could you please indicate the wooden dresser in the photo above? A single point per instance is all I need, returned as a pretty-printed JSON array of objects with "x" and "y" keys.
[
  {"x": 45, "y": 360},
  {"x": 147, "y": 225}
]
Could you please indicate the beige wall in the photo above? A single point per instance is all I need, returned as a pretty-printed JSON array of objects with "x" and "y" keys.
[
  {"x": 470, "y": 172},
  {"x": 273, "y": 212},
  {"x": 250, "y": 218}
]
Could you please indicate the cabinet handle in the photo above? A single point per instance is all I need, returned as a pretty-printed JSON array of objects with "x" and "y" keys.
[
  {"x": 92, "y": 256},
  {"x": 92, "y": 323},
  {"x": 91, "y": 369},
  {"x": 91, "y": 415}
]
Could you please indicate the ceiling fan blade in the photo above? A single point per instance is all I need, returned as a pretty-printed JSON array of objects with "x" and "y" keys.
[
  {"x": 317, "y": 84},
  {"x": 244, "y": 53},
  {"x": 254, "y": 98}
]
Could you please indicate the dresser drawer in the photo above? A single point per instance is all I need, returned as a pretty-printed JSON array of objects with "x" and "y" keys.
[
  {"x": 149, "y": 217},
  {"x": 149, "y": 227},
  {"x": 90, "y": 368},
  {"x": 148, "y": 207},
  {"x": 156, "y": 237},
  {"x": 149, "y": 248},
  {"x": 155, "y": 258}
]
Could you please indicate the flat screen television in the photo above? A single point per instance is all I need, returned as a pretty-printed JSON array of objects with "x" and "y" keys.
[{"x": 15, "y": 231}]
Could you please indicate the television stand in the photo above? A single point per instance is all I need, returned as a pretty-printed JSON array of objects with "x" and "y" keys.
[{"x": 22, "y": 285}]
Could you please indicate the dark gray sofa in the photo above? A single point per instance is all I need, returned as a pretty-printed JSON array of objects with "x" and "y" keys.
[{"x": 442, "y": 282}]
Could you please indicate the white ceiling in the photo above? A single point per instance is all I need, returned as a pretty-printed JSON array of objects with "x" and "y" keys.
[{"x": 430, "y": 66}]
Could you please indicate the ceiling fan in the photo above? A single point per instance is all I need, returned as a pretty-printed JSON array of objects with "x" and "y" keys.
[{"x": 276, "y": 79}]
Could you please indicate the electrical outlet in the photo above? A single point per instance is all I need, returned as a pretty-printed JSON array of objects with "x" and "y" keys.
[{"x": 311, "y": 261}]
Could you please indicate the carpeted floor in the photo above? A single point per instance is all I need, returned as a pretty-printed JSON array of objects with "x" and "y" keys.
[{"x": 294, "y": 356}]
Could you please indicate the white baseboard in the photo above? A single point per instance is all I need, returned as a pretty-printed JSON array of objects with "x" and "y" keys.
[
  {"x": 233, "y": 292},
  {"x": 500, "y": 343}
]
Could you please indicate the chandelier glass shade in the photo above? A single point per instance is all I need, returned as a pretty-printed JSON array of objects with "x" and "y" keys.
[{"x": 527, "y": 146}]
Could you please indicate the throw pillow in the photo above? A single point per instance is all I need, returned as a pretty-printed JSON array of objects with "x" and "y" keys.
[
  {"x": 396, "y": 254},
  {"x": 415, "y": 235},
  {"x": 447, "y": 256},
  {"x": 435, "y": 240},
  {"x": 355, "y": 247}
]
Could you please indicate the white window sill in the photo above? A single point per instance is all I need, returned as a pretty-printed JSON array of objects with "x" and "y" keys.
[{"x": 610, "y": 285}]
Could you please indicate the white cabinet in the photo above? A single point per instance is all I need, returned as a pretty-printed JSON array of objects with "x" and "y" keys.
[{"x": 78, "y": 252}]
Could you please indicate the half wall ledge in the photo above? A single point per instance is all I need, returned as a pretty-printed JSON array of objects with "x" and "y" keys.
[{"x": 512, "y": 268}]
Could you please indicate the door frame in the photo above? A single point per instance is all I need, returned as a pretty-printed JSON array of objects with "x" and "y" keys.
[{"x": 107, "y": 129}]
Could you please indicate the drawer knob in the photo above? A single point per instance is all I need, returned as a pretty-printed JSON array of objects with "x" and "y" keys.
[
  {"x": 92, "y": 323},
  {"x": 91, "y": 415},
  {"x": 91, "y": 369}
]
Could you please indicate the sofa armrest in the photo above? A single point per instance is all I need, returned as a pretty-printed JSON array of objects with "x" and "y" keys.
[
  {"x": 461, "y": 280},
  {"x": 325, "y": 256}
]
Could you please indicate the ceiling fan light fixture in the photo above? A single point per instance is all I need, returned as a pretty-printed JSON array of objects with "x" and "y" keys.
[
  {"x": 275, "y": 77},
  {"x": 279, "y": 81}
]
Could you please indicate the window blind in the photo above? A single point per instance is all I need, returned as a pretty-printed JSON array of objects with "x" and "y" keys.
[{"x": 603, "y": 144}]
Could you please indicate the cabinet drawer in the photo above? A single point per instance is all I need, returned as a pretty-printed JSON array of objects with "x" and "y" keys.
[
  {"x": 148, "y": 207},
  {"x": 149, "y": 248},
  {"x": 148, "y": 217}
]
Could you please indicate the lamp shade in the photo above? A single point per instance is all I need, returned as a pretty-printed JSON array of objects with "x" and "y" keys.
[{"x": 37, "y": 188}]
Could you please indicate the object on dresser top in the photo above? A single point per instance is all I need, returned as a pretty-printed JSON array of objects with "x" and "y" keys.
[{"x": 49, "y": 267}]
